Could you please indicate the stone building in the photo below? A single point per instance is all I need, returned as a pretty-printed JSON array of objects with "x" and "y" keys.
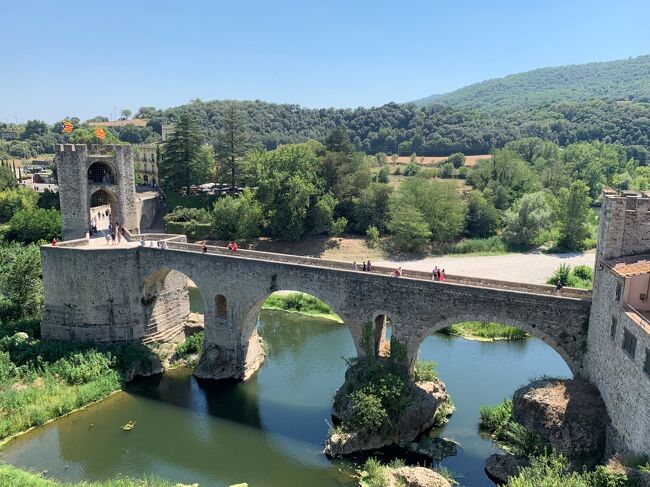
[
  {"x": 146, "y": 157},
  {"x": 618, "y": 348}
]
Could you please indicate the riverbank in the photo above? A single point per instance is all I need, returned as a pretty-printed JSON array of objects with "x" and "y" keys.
[
  {"x": 485, "y": 332},
  {"x": 301, "y": 303},
  {"x": 15, "y": 477}
]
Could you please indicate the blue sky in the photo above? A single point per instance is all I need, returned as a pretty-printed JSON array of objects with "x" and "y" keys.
[{"x": 87, "y": 58}]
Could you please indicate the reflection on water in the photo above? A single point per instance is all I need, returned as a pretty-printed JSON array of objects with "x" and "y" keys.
[{"x": 268, "y": 431}]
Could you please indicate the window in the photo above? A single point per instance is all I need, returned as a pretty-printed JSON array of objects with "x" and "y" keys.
[
  {"x": 619, "y": 288},
  {"x": 612, "y": 328},
  {"x": 629, "y": 343},
  {"x": 646, "y": 366}
]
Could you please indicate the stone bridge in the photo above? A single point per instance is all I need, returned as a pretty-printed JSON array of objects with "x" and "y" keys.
[{"x": 105, "y": 293}]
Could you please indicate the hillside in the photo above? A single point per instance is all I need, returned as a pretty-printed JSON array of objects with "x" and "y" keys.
[
  {"x": 433, "y": 130},
  {"x": 627, "y": 79}
]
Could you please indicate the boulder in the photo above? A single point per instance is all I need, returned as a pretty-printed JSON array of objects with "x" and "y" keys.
[
  {"x": 502, "y": 466},
  {"x": 417, "y": 417},
  {"x": 416, "y": 477},
  {"x": 569, "y": 414},
  {"x": 434, "y": 448}
]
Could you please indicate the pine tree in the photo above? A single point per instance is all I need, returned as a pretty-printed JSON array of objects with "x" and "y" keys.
[
  {"x": 233, "y": 141},
  {"x": 177, "y": 168}
]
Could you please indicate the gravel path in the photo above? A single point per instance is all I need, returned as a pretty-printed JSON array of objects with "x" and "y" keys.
[{"x": 530, "y": 267}]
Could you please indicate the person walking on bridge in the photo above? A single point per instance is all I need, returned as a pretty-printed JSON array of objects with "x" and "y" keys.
[{"x": 204, "y": 249}]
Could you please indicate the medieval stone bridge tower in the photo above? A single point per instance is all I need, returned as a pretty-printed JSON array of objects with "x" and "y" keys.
[{"x": 94, "y": 175}]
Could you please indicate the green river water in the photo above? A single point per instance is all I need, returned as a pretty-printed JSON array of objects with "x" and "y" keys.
[{"x": 269, "y": 431}]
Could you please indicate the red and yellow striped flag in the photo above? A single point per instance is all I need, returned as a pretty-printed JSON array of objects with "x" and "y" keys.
[
  {"x": 99, "y": 132},
  {"x": 67, "y": 126}
]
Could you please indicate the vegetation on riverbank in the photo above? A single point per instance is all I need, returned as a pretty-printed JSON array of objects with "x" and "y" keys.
[
  {"x": 297, "y": 302},
  {"x": 580, "y": 276},
  {"x": 15, "y": 477},
  {"x": 376, "y": 474},
  {"x": 478, "y": 330},
  {"x": 42, "y": 380}
]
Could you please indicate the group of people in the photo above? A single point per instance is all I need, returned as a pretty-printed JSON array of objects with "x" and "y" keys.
[
  {"x": 365, "y": 266},
  {"x": 438, "y": 274},
  {"x": 96, "y": 218},
  {"x": 115, "y": 232},
  {"x": 233, "y": 247},
  {"x": 161, "y": 244}
]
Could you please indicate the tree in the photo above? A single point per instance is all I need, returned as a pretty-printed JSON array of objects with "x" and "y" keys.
[
  {"x": 203, "y": 167},
  {"x": 371, "y": 209},
  {"x": 483, "y": 219},
  {"x": 21, "y": 284},
  {"x": 146, "y": 112},
  {"x": 438, "y": 202},
  {"x": 382, "y": 176},
  {"x": 98, "y": 118},
  {"x": 34, "y": 225},
  {"x": 322, "y": 214},
  {"x": 233, "y": 140},
  {"x": 126, "y": 113},
  {"x": 16, "y": 199},
  {"x": 237, "y": 218},
  {"x": 338, "y": 141},
  {"x": 410, "y": 230},
  {"x": 573, "y": 215},
  {"x": 7, "y": 178},
  {"x": 527, "y": 219},
  {"x": 178, "y": 165},
  {"x": 86, "y": 135},
  {"x": 457, "y": 159},
  {"x": 34, "y": 128}
]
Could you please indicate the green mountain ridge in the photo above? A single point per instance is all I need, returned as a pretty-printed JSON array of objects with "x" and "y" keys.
[{"x": 626, "y": 79}]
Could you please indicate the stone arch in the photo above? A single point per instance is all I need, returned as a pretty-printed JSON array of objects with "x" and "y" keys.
[
  {"x": 101, "y": 199},
  {"x": 381, "y": 321},
  {"x": 144, "y": 222},
  {"x": 531, "y": 328},
  {"x": 101, "y": 172},
  {"x": 220, "y": 306},
  {"x": 166, "y": 304}
]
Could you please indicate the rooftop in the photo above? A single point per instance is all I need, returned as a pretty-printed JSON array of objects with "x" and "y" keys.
[{"x": 634, "y": 265}]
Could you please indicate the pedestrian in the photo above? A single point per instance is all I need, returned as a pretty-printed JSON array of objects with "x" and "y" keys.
[
  {"x": 435, "y": 275},
  {"x": 159, "y": 244},
  {"x": 441, "y": 275},
  {"x": 363, "y": 268},
  {"x": 558, "y": 285},
  {"x": 234, "y": 247},
  {"x": 113, "y": 237},
  {"x": 354, "y": 266},
  {"x": 397, "y": 272},
  {"x": 108, "y": 238},
  {"x": 119, "y": 237},
  {"x": 368, "y": 266},
  {"x": 205, "y": 249},
  {"x": 230, "y": 246},
  {"x": 54, "y": 242}
]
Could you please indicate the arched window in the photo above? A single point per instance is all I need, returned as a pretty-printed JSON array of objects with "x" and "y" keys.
[
  {"x": 221, "y": 305},
  {"x": 101, "y": 173}
]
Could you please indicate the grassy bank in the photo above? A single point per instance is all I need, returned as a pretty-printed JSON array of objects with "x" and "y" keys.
[
  {"x": 477, "y": 330},
  {"x": 580, "y": 276},
  {"x": 375, "y": 474},
  {"x": 297, "y": 302},
  {"x": 15, "y": 477},
  {"x": 508, "y": 434},
  {"x": 42, "y": 380}
]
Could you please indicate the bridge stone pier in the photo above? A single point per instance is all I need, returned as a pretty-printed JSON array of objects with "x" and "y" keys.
[{"x": 106, "y": 293}]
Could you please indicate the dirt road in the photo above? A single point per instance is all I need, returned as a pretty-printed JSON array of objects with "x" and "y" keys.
[{"x": 531, "y": 267}]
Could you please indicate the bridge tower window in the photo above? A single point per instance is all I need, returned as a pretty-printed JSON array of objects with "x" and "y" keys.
[
  {"x": 619, "y": 289},
  {"x": 646, "y": 365},
  {"x": 101, "y": 173},
  {"x": 612, "y": 328},
  {"x": 629, "y": 343},
  {"x": 221, "y": 304}
]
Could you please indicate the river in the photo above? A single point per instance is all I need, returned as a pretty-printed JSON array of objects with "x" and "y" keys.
[{"x": 269, "y": 431}]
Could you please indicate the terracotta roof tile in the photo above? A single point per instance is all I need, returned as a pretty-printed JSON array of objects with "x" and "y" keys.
[{"x": 630, "y": 266}]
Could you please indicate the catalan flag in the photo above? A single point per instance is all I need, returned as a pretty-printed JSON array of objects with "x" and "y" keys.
[
  {"x": 67, "y": 126},
  {"x": 99, "y": 132}
]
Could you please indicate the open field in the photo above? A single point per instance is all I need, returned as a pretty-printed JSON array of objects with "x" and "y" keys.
[{"x": 470, "y": 161}]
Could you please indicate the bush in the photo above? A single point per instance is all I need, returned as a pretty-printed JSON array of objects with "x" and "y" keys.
[
  {"x": 583, "y": 272},
  {"x": 191, "y": 346},
  {"x": 495, "y": 419},
  {"x": 527, "y": 219},
  {"x": 237, "y": 218},
  {"x": 34, "y": 225},
  {"x": 426, "y": 371},
  {"x": 411, "y": 169},
  {"x": 16, "y": 199},
  {"x": 382, "y": 176},
  {"x": 298, "y": 302},
  {"x": 457, "y": 160},
  {"x": 447, "y": 171},
  {"x": 549, "y": 470},
  {"x": 367, "y": 412},
  {"x": 81, "y": 368},
  {"x": 580, "y": 276},
  {"x": 182, "y": 214},
  {"x": 492, "y": 245},
  {"x": 338, "y": 226},
  {"x": 373, "y": 236}
]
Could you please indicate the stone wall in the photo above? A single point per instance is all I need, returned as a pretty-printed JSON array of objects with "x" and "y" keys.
[
  {"x": 621, "y": 380},
  {"x": 625, "y": 225},
  {"x": 148, "y": 207}
]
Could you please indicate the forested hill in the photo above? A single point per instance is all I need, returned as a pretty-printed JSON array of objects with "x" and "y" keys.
[
  {"x": 432, "y": 130},
  {"x": 627, "y": 79}
]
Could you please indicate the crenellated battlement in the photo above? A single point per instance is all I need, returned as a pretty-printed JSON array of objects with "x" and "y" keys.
[{"x": 624, "y": 224}]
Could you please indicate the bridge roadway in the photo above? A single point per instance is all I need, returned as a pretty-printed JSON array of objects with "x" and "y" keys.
[{"x": 234, "y": 286}]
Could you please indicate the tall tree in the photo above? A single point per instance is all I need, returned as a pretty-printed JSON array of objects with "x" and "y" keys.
[
  {"x": 126, "y": 113},
  {"x": 573, "y": 215},
  {"x": 177, "y": 168},
  {"x": 233, "y": 140}
]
